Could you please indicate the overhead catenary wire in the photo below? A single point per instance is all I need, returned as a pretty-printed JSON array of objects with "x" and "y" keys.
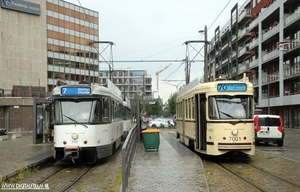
[{"x": 159, "y": 60}]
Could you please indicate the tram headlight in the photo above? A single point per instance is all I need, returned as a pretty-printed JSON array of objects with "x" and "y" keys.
[
  {"x": 234, "y": 132},
  {"x": 74, "y": 136}
]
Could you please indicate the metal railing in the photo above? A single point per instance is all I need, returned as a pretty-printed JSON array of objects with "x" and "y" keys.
[{"x": 128, "y": 150}]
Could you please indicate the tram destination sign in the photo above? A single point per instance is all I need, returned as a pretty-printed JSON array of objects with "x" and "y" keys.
[
  {"x": 231, "y": 87},
  {"x": 75, "y": 91}
]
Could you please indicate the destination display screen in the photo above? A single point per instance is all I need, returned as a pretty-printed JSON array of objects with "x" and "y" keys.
[
  {"x": 228, "y": 87},
  {"x": 76, "y": 91}
]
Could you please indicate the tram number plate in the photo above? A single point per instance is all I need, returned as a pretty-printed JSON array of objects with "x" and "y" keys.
[
  {"x": 234, "y": 138},
  {"x": 75, "y": 141}
]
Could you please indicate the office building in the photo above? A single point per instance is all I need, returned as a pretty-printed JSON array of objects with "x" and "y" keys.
[
  {"x": 130, "y": 81},
  {"x": 71, "y": 54},
  {"x": 43, "y": 43}
]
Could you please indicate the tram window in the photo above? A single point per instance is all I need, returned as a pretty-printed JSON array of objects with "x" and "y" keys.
[
  {"x": 212, "y": 111},
  {"x": 192, "y": 109},
  {"x": 96, "y": 118},
  {"x": 57, "y": 112},
  {"x": 186, "y": 109},
  {"x": 230, "y": 107},
  {"x": 189, "y": 109},
  {"x": 83, "y": 110},
  {"x": 105, "y": 117}
]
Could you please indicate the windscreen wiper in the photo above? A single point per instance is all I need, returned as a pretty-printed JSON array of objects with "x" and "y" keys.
[
  {"x": 75, "y": 121},
  {"x": 231, "y": 116}
]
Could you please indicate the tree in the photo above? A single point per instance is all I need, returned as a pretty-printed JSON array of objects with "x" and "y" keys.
[
  {"x": 170, "y": 106},
  {"x": 155, "y": 109}
]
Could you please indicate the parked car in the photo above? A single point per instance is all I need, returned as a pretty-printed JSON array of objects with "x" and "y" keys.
[
  {"x": 161, "y": 122},
  {"x": 269, "y": 128},
  {"x": 3, "y": 131}
]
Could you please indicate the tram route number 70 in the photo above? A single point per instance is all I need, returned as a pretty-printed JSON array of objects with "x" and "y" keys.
[
  {"x": 227, "y": 87},
  {"x": 234, "y": 138}
]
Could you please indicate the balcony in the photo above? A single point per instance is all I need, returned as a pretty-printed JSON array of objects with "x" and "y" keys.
[
  {"x": 243, "y": 50},
  {"x": 294, "y": 44},
  {"x": 267, "y": 78},
  {"x": 224, "y": 61},
  {"x": 292, "y": 71},
  {"x": 270, "y": 55},
  {"x": 224, "y": 46},
  {"x": 254, "y": 81},
  {"x": 270, "y": 32},
  {"x": 233, "y": 54},
  {"x": 293, "y": 17},
  {"x": 254, "y": 63},
  {"x": 233, "y": 70},
  {"x": 243, "y": 32},
  {"x": 243, "y": 14},
  {"x": 253, "y": 43},
  {"x": 253, "y": 24},
  {"x": 241, "y": 68}
]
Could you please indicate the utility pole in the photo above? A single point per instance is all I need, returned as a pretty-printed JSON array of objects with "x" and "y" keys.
[
  {"x": 124, "y": 85},
  {"x": 205, "y": 54},
  {"x": 143, "y": 91},
  {"x": 268, "y": 93}
]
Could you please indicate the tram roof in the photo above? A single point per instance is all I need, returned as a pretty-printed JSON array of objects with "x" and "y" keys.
[
  {"x": 196, "y": 87},
  {"x": 109, "y": 90}
]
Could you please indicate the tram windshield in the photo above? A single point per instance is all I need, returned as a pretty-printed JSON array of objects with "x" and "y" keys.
[
  {"x": 91, "y": 110},
  {"x": 230, "y": 107}
]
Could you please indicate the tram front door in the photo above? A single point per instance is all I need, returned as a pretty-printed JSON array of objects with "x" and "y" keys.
[{"x": 200, "y": 111}]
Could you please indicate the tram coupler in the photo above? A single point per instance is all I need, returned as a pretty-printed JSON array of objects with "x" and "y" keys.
[{"x": 71, "y": 152}]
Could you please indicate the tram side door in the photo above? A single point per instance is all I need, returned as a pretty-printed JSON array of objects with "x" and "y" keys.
[{"x": 200, "y": 111}]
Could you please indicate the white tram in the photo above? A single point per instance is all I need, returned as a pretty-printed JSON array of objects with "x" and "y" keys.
[
  {"x": 216, "y": 118},
  {"x": 88, "y": 121},
  {"x": 127, "y": 117}
]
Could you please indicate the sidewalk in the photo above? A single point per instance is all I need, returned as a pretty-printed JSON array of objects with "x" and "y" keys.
[
  {"x": 172, "y": 168},
  {"x": 19, "y": 153}
]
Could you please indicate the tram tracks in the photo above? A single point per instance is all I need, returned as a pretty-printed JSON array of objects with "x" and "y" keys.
[
  {"x": 259, "y": 178},
  {"x": 63, "y": 178},
  {"x": 101, "y": 176}
]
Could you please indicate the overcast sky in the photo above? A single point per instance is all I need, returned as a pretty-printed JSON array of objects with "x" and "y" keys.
[{"x": 156, "y": 30}]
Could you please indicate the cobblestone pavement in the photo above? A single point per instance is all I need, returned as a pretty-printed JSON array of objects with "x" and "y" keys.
[
  {"x": 19, "y": 153},
  {"x": 173, "y": 168}
]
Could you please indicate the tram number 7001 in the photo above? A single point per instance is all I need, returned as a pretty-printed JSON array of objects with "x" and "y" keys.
[{"x": 234, "y": 138}]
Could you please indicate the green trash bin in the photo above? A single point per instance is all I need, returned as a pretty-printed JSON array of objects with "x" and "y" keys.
[{"x": 151, "y": 139}]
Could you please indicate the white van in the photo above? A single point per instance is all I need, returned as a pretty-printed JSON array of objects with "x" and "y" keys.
[{"x": 269, "y": 128}]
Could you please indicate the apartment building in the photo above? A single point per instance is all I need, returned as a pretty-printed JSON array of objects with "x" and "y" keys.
[
  {"x": 262, "y": 39},
  {"x": 129, "y": 81}
]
